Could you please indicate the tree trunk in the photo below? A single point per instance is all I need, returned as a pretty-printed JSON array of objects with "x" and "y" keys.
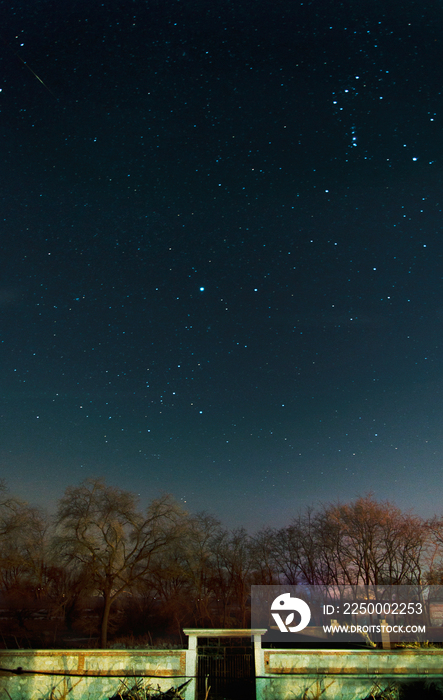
[{"x": 107, "y": 602}]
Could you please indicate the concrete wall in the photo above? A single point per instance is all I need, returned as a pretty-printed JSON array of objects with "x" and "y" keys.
[
  {"x": 281, "y": 674},
  {"x": 341, "y": 675},
  {"x": 88, "y": 669}
]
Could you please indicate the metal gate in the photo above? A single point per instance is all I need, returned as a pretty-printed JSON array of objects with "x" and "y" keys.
[{"x": 226, "y": 666}]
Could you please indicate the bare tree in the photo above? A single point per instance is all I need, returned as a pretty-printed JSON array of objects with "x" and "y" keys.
[
  {"x": 303, "y": 551},
  {"x": 362, "y": 542},
  {"x": 264, "y": 558},
  {"x": 232, "y": 566},
  {"x": 101, "y": 531},
  {"x": 23, "y": 555},
  {"x": 23, "y": 531},
  {"x": 374, "y": 543},
  {"x": 66, "y": 586},
  {"x": 434, "y": 573},
  {"x": 182, "y": 577}
]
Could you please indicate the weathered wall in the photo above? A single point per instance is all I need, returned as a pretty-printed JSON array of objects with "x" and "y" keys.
[
  {"x": 89, "y": 669},
  {"x": 342, "y": 675},
  {"x": 281, "y": 674}
]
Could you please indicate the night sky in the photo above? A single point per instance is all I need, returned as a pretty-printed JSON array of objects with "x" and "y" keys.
[{"x": 222, "y": 252}]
